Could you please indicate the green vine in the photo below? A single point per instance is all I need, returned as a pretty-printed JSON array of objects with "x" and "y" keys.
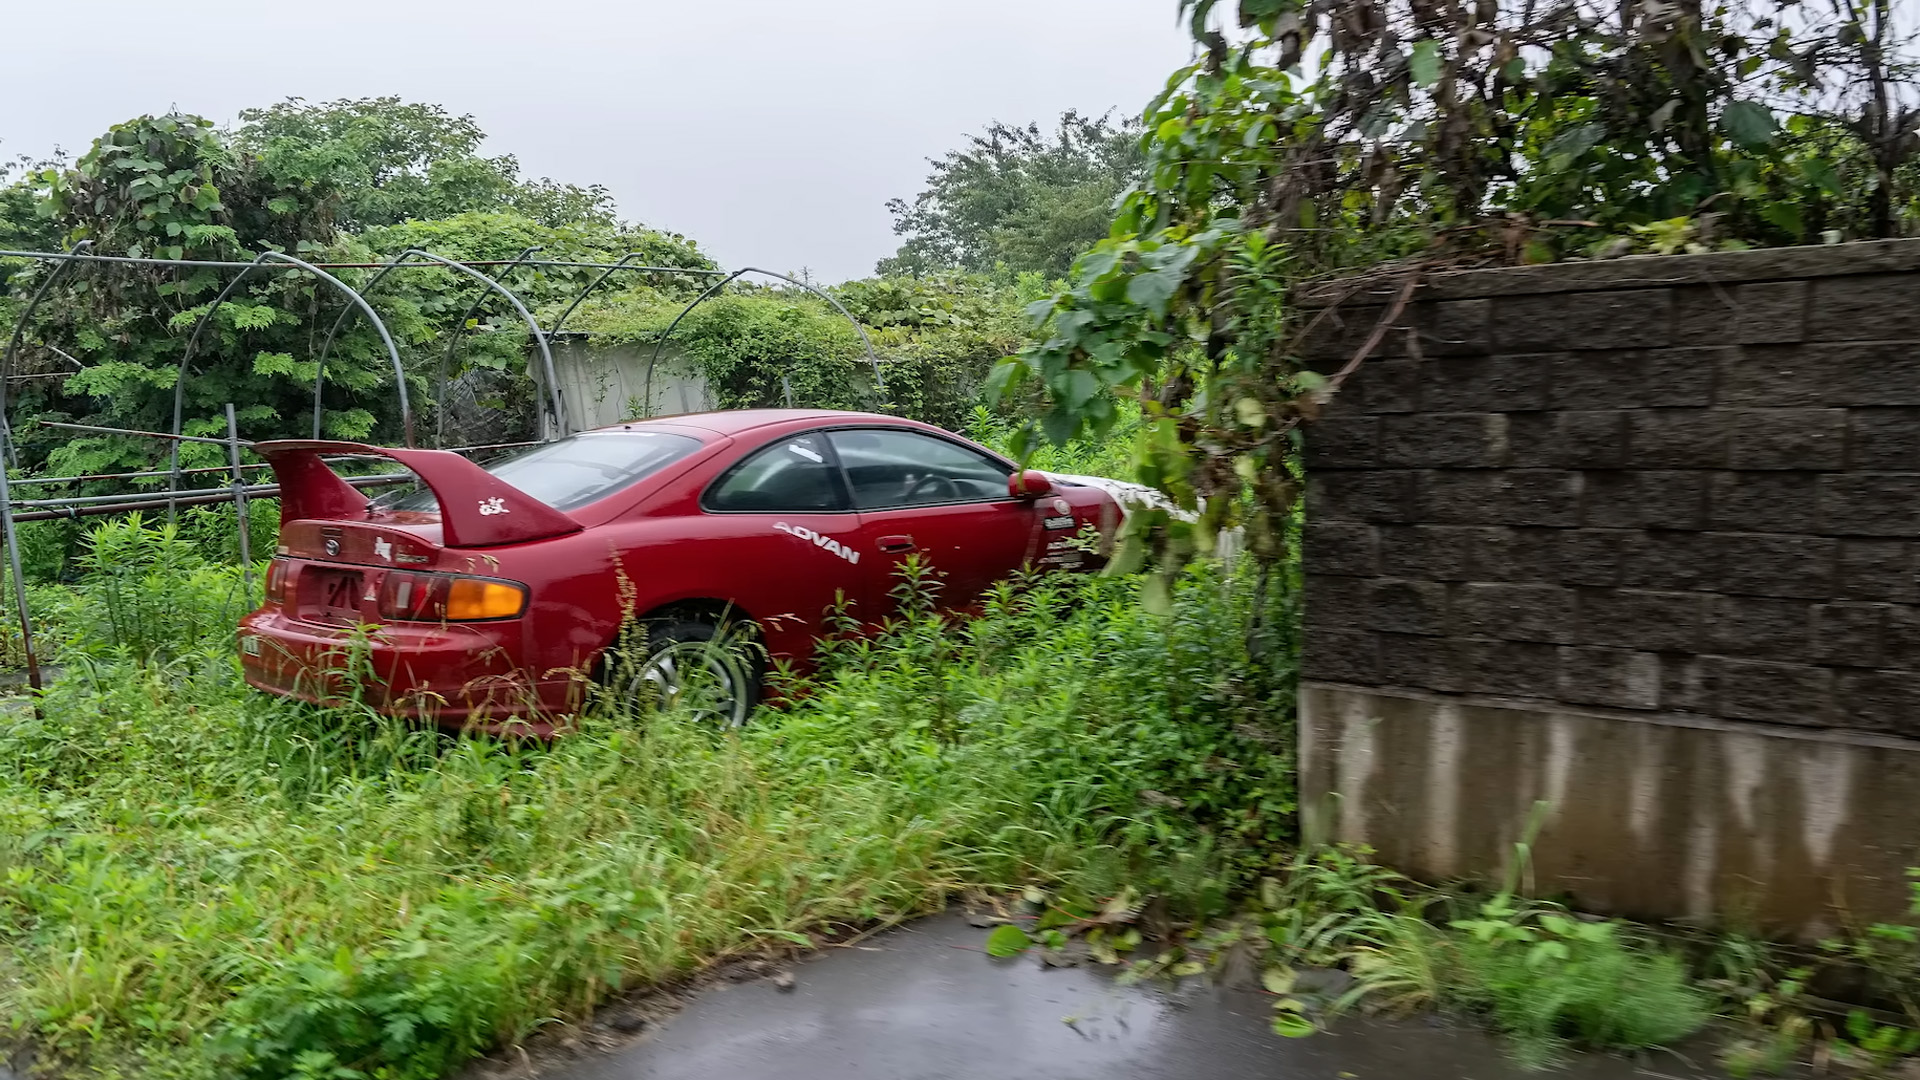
[{"x": 1317, "y": 139}]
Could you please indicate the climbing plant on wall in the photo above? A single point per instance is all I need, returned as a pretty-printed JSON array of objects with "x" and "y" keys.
[{"x": 1315, "y": 138}]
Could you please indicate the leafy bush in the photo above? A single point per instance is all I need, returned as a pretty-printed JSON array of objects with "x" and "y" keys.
[
  {"x": 201, "y": 881},
  {"x": 150, "y": 593},
  {"x": 936, "y": 340},
  {"x": 1548, "y": 978}
]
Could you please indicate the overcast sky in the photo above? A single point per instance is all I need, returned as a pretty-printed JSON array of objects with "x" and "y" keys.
[{"x": 771, "y": 132}]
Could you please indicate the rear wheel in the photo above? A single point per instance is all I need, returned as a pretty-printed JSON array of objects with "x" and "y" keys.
[{"x": 709, "y": 667}]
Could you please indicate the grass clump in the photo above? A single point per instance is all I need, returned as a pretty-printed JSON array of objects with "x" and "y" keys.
[
  {"x": 1545, "y": 978},
  {"x": 200, "y": 881},
  {"x": 1548, "y": 979}
]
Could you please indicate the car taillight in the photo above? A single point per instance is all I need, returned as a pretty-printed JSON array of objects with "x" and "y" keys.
[
  {"x": 413, "y": 597},
  {"x": 277, "y": 571}
]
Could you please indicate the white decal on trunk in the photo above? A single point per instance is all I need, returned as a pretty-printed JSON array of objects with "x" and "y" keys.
[
  {"x": 818, "y": 540},
  {"x": 382, "y": 548}
]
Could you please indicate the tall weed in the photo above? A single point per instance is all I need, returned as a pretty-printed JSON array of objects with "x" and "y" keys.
[
  {"x": 149, "y": 592},
  {"x": 202, "y": 881}
]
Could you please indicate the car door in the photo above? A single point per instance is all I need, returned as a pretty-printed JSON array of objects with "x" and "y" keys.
[
  {"x": 920, "y": 494},
  {"x": 789, "y": 533}
]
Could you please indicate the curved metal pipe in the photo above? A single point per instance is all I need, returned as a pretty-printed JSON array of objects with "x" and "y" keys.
[
  {"x": 873, "y": 358},
  {"x": 578, "y": 300},
  {"x": 193, "y": 340},
  {"x": 539, "y": 335},
  {"x": 326, "y": 344},
  {"x": 218, "y": 264},
  {"x": 453, "y": 343},
  {"x": 20, "y": 330},
  {"x": 660, "y": 342}
]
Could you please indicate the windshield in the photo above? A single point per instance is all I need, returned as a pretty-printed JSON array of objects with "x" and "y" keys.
[{"x": 574, "y": 471}]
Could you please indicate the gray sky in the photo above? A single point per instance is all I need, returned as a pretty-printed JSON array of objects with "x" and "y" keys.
[{"x": 771, "y": 132}]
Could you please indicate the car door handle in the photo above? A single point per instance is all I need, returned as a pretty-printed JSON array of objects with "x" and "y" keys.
[{"x": 896, "y": 543}]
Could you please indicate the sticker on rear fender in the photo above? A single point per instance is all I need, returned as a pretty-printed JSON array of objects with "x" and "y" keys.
[
  {"x": 1063, "y": 522},
  {"x": 819, "y": 540}
]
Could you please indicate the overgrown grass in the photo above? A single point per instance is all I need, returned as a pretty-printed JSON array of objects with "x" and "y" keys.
[
  {"x": 1545, "y": 978},
  {"x": 199, "y": 881}
]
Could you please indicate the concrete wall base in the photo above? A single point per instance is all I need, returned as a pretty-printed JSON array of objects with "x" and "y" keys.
[{"x": 1663, "y": 816}]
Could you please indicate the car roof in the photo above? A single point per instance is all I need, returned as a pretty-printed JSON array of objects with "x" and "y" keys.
[{"x": 738, "y": 421}]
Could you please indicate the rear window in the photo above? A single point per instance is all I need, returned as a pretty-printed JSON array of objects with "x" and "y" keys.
[{"x": 574, "y": 471}]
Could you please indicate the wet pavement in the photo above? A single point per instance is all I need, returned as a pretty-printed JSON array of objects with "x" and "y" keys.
[{"x": 926, "y": 1003}]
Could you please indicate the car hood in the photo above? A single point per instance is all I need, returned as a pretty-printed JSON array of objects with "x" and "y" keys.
[{"x": 1128, "y": 494}]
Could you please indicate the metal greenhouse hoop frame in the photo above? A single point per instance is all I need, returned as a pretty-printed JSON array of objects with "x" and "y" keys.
[
  {"x": 353, "y": 296},
  {"x": 238, "y": 490},
  {"x": 873, "y": 358}
]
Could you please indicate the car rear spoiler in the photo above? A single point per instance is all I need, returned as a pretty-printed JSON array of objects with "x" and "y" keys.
[{"x": 477, "y": 508}]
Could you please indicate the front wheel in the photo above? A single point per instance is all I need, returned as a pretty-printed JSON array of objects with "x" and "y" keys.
[{"x": 708, "y": 667}]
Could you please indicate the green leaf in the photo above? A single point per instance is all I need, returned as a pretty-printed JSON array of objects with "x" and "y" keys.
[
  {"x": 1097, "y": 264},
  {"x": 1573, "y": 142},
  {"x": 1424, "y": 64},
  {"x": 1059, "y": 426},
  {"x": 1004, "y": 377},
  {"x": 1820, "y": 172},
  {"x": 1292, "y": 1025},
  {"x": 1784, "y": 216},
  {"x": 1156, "y": 598},
  {"x": 1077, "y": 387},
  {"x": 1039, "y": 312},
  {"x": 1154, "y": 289},
  {"x": 1008, "y": 941},
  {"x": 1278, "y": 980},
  {"x": 1186, "y": 968},
  {"x": 1750, "y": 124},
  {"x": 1020, "y": 444}
]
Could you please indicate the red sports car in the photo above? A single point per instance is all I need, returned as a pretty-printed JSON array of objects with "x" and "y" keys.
[{"x": 492, "y": 595}]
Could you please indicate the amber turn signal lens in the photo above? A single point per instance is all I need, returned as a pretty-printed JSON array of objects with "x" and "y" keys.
[
  {"x": 479, "y": 598},
  {"x": 421, "y": 597}
]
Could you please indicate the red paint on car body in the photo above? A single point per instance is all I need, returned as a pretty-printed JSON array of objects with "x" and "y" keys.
[{"x": 692, "y": 530}]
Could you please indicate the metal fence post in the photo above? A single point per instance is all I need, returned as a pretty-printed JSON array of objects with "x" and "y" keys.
[
  {"x": 240, "y": 500},
  {"x": 12, "y": 538}
]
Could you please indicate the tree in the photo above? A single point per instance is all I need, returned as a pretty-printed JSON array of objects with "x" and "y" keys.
[
  {"x": 22, "y": 226},
  {"x": 385, "y": 161},
  {"x": 171, "y": 187},
  {"x": 1016, "y": 200},
  {"x": 175, "y": 187}
]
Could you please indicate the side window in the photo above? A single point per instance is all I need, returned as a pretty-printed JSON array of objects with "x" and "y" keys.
[
  {"x": 906, "y": 468},
  {"x": 792, "y": 474}
]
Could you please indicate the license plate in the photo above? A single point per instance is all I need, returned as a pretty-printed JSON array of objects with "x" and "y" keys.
[{"x": 340, "y": 596}]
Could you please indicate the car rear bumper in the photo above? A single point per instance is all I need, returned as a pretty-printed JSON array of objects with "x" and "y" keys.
[{"x": 455, "y": 675}]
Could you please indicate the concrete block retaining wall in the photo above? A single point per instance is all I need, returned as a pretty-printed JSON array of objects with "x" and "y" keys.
[{"x": 1651, "y": 520}]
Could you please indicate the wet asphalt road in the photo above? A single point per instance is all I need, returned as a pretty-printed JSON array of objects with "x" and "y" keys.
[{"x": 924, "y": 1003}]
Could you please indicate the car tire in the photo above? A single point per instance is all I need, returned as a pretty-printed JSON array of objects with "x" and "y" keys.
[{"x": 726, "y": 653}]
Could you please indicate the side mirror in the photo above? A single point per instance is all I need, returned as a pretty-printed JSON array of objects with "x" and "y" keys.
[{"x": 1029, "y": 485}]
